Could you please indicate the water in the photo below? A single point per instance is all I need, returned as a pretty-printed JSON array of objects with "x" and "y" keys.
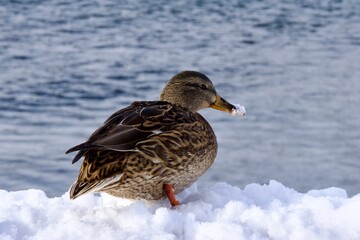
[{"x": 67, "y": 65}]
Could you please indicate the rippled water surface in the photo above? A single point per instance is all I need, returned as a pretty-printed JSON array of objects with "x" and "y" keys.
[{"x": 67, "y": 65}]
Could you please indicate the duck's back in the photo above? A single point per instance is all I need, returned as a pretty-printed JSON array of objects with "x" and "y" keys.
[{"x": 142, "y": 147}]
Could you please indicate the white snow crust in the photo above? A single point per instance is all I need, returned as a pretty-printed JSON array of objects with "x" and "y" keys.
[
  {"x": 270, "y": 211},
  {"x": 239, "y": 111}
]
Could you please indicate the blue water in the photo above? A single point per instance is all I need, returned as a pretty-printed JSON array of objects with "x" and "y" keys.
[{"x": 65, "y": 66}]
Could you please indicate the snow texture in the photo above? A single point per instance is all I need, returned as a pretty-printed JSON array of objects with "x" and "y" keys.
[
  {"x": 270, "y": 211},
  {"x": 239, "y": 111}
]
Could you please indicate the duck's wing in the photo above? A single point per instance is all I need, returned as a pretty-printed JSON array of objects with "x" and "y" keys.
[
  {"x": 127, "y": 127},
  {"x": 120, "y": 135}
]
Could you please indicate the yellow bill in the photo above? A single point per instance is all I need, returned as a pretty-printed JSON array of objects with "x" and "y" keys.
[{"x": 223, "y": 105}]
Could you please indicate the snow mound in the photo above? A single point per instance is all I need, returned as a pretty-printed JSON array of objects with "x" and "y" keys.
[{"x": 221, "y": 212}]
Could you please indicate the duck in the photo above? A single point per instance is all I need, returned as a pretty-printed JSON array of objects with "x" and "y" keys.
[{"x": 152, "y": 150}]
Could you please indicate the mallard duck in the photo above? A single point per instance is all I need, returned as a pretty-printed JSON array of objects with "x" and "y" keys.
[{"x": 152, "y": 149}]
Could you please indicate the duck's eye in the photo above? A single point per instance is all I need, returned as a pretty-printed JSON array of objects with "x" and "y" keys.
[{"x": 203, "y": 87}]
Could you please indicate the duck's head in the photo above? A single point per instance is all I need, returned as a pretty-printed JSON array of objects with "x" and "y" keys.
[{"x": 194, "y": 91}]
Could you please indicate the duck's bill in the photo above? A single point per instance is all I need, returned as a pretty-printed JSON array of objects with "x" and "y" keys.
[{"x": 223, "y": 105}]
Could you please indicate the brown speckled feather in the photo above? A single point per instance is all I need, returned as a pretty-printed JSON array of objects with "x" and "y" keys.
[{"x": 142, "y": 147}]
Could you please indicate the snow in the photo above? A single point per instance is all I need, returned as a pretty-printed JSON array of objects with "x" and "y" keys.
[
  {"x": 239, "y": 111},
  {"x": 270, "y": 211}
]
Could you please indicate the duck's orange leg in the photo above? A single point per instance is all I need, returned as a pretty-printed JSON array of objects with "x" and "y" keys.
[{"x": 170, "y": 194}]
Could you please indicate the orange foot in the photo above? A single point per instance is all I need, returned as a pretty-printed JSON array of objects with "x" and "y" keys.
[{"x": 170, "y": 194}]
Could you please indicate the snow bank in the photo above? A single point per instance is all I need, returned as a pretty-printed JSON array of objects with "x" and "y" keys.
[{"x": 221, "y": 212}]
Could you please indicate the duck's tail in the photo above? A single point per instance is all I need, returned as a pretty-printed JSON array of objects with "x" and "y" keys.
[{"x": 79, "y": 188}]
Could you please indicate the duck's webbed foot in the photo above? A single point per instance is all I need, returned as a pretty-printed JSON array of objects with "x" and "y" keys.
[{"x": 171, "y": 195}]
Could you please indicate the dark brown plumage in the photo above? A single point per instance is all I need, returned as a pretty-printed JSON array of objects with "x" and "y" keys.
[{"x": 141, "y": 151}]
